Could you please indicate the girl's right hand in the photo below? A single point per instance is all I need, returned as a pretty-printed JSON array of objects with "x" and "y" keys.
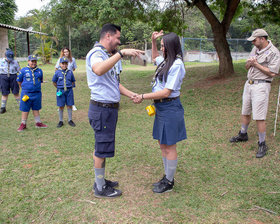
[{"x": 156, "y": 34}]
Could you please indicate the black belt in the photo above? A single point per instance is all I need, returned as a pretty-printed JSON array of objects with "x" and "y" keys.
[
  {"x": 106, "y": 105},
  {"x": 165, "y": 100},
  {"x": 9, "y": 74},
  {"x": 256, "y": 81}
]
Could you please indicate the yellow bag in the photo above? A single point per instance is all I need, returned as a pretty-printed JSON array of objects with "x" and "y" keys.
[{"x": 151, "y": 110}]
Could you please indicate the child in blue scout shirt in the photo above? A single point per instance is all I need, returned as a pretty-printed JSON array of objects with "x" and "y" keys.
[
  {"x": 29, "y": 80},
  {"x": 64, "y": 81}
]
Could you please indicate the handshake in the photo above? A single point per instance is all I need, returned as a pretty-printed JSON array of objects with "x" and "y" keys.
[{"x": 137, "y": 98}]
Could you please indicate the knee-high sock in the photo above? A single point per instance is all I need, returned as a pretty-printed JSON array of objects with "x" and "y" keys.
[
  {"x": 171, "y": 169},
  {"x": 99, "y": 177},
  {"x": 3, "y": 103},
  {"x": 60, "y": 114},
  {"x": 69, "y": 110}
]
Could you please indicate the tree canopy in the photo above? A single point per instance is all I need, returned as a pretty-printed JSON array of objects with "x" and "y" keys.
[
  {"x": 218, "y": 19},
  {"x": 8, "y": 8}
]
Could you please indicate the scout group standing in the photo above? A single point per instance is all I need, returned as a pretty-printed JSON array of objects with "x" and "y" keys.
[{"x": 103, "y": 67}]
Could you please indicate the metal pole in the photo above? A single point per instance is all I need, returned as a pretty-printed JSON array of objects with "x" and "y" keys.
[
  {"x": 200, "y": 50},
  {"x": 276, "y": 113}
]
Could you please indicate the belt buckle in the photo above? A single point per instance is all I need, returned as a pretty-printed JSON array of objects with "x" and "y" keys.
[{"x": 251, "y": 82}]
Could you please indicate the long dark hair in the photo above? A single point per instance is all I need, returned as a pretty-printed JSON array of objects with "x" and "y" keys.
[{"x": 172, "y": 50}]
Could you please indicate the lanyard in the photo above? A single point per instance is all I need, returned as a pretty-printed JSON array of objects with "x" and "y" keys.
[
  {"x": 8, "y": 69},
  {"x": 33, "y": 76}
]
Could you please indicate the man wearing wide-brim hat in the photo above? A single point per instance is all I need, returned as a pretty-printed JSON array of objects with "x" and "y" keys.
[{"x": 263, "y": 64}]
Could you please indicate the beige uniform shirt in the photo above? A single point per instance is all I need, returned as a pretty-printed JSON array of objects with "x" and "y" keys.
[{"x": 268, "y": 57}]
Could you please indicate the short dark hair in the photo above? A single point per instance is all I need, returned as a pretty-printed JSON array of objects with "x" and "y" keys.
[
  {"x": 109, "y": 28},
  {"x": 265, "y": 37}
]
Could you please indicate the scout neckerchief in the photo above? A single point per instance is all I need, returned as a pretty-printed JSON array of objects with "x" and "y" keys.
[
  {"x": 159, "y": 69},
  {"x": 64, "y": 73},
  {"x": 32, "y": 70},
  {"x": 109, "y": 55},
  {"x": 8, "y": 72}
]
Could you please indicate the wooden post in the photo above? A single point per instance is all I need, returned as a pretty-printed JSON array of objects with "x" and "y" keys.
[
  {"x": 28, "y": 47},
  {"x": 69, "y": 37},
  {"x": 15, "y": 44}
]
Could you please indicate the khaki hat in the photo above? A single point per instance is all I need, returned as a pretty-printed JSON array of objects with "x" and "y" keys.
[{"x": 257, "y": 33}]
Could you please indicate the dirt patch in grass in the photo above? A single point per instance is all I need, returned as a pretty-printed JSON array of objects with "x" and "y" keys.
[
  {"x": 80, "y": 115},
  {"x": 211, "y": 81}
]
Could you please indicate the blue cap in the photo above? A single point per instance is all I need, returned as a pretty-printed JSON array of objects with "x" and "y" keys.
[
  {"x": 32, "y": 58},
  {"x": 63, "y": 59},
  {"x": 9, "y": 54}
]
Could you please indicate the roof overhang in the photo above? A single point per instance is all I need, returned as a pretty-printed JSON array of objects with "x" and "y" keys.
[{"x": 20, "y": 29}]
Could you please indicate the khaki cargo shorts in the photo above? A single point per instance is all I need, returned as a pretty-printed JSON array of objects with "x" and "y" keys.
[{"x": 255, "y": 100}]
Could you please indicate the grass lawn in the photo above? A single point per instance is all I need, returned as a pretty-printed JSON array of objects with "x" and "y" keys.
[{"x": 46, "y": 175}]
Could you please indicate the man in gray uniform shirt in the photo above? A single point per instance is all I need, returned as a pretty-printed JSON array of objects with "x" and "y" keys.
[{"x": 263, "y": 64}]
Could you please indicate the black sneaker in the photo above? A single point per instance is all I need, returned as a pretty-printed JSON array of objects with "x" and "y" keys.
[
  {"x": 71, "y": 123},
  {"x": 107, "y": 192},
  {"x": 60, "y": 124},
  {"x": 164, "y": 186},
  {"x": 262, "y": 150},
  {"x": 2, "y": 110},
  {"x": 241, "y": 137},
  {"x": 109, "y": 183},
  {"x": 158, "y": 183}
]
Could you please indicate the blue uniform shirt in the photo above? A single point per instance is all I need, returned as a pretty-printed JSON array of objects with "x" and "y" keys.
[
  {"x": 175, "y": 77},
  {"x": 63, "y": 79},
  {"x": 30, "y": 79},
  {"x": 13, "y": 67},
  {"x": 104, "y": 88},
  {"x": 71, "y": 65}
]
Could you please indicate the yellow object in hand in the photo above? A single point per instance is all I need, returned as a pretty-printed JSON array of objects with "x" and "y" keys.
[
  {"x": 25, "y": 98},
  {"x": 151, "y": 110}
]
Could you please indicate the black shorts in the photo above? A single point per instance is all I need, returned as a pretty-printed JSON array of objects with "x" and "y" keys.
[
  {"x": 9, "y": 83},
  {"x": 104, "y": 122}
]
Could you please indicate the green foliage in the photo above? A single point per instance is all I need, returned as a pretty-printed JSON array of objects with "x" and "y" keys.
[
  {"x": 8, "y": 9},
  {"x": 46, "y": 52},
  {"x": 266, "y": 11}
]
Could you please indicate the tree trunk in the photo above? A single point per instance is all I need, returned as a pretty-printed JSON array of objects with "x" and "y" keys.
[
  {"x": 225, "y": 60},
  {"x": 220, "y": 30}
]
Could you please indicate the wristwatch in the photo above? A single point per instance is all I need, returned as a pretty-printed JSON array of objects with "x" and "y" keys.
[{"x": 120, "y": 53}]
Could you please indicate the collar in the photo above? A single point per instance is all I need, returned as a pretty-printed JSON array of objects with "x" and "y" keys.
[
  {"x": 63, "y": 71},
  {"x": 264, "y": 49},
  {"x": 32, "y": 69},
  {"x": 103, "y": 48}
]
